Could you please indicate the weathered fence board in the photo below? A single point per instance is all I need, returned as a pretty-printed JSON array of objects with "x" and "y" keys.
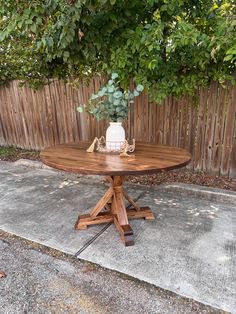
[{"x": 30, "y": 119}]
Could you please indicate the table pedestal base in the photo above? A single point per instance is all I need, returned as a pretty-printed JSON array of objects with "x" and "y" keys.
[{"x": 115, "y": 211}]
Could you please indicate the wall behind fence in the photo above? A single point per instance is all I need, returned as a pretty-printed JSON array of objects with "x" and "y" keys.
[{"x": 30, "y": 119}]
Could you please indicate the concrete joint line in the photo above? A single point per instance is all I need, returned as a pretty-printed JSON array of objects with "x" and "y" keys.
[{"x": 89, "y": 242}]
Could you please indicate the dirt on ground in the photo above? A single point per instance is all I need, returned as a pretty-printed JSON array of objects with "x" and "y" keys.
[{"x": 186, "y": 176}]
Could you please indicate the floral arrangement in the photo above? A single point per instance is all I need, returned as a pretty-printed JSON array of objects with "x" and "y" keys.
[{"x": 111, "y": 102}]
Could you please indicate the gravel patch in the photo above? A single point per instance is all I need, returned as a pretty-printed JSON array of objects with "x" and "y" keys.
[{"x": 42, "y": 280}]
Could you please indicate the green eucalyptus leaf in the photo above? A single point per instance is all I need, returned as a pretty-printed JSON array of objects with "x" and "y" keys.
[
  {"x": 111, "y": 89},
  {"x": 104, "y": 89},
  {"x": 94, "y": 97},
  {"x": 139, "y": 88},
  {"x": 119, "y": 109},
  {"x": 116, "y": 102},
  {"x": 118, "y": 94},
  {"x": 101, "y": 93},
  {"x": 114, "y": 76},
  {"x": 80, "y": 109}
]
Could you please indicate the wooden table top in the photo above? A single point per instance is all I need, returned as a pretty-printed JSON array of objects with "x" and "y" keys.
[{"x": 147, "y": 158}]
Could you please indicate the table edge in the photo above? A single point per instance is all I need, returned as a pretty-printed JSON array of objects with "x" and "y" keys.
[{"x": 114, "y": 173}]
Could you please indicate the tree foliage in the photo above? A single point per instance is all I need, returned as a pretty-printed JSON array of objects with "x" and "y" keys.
[{"x": 169, "y": 46}]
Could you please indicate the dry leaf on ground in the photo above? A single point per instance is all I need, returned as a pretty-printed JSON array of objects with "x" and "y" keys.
[{"x": 2, "y": 274}]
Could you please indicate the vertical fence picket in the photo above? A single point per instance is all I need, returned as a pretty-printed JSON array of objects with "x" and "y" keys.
[
  {"x": 228, "y": 134},
  {"x": 152, "y": 126},
  {"x": 232, "y": 168},
  {"x": 209, "y": 128}
]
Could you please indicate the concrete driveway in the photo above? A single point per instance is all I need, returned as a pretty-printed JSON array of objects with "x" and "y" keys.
[{"x": 189, "y": 249}]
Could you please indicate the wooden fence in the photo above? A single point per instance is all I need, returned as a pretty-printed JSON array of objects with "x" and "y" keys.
[{"x": 30, "y": 119}]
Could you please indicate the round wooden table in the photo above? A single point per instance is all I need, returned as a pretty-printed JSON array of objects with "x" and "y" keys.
[{"x": 146, "y": 159}]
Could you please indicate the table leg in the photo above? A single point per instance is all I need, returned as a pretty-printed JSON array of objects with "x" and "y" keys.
[
  {"x": 116, "y": 212},
  {"x": 119, "y": 211}
]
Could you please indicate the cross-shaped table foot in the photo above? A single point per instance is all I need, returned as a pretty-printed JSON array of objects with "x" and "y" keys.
[{"x": 115, "y": 211}]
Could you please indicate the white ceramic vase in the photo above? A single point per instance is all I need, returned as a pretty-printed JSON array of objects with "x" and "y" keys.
[{"x": 115, "y": 136}]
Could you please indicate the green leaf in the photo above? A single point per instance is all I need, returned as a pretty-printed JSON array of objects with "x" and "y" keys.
[
  {"x": 33, "y": 28},
  {"x": 93, "y": 97},
  {"x": 3, "y": 35},
  {"x": 116, "y": 102},
  {"x": 114, "y": 76},
  {"x": 111, "y": 89},
  {"x": 139, "y": 88},
  {"x": 80, "y": 109},
  {"x": 101, "y": 93},
  {"x": 118, "y": 94},
  {"x": 228, "y": 57},
  {"x": 50, "y": 42},
  {"x": 111, "y": 112},
  {"x": 119, "y": 109},
  {"x": 66, "y": 55},
  {"x": 28, "y": 22}
]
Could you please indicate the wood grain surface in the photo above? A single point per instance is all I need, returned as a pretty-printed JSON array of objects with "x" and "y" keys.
[{"x": 147, "y": 158}]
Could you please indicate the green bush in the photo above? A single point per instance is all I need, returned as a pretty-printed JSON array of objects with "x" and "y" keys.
[{"x": 169, "y": 46}]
